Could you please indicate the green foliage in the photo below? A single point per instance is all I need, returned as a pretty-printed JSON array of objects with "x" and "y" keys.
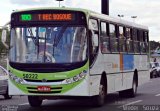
[
  {"x": 3, "y": 49},
  {"x": 154, "y": 45}
]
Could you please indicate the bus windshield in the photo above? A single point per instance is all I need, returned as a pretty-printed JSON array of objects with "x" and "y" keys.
[{"x": 59, "y": 44}]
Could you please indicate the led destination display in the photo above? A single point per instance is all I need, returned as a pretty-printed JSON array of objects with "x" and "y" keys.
[{"x": 47, "y": 17}]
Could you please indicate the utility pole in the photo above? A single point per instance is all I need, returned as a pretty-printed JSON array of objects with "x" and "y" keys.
[
  {"x": 105, "y": 7},
  {"x": 59, "y": 2}
]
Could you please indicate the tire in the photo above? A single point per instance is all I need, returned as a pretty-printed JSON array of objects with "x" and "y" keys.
[
  {"x": 130, "y": 92},
  {"x": 158, "y": 73},
  {"x": 154, "y": 74},
  {"x": 7, "y": 96},
  {"x": 34, "y": 101},
  {"x": 99, "y": 100},
  {"x": 123, "y": 93},
  {"x": 133, "y": 91},
  {"x": 151, "y": 75}
]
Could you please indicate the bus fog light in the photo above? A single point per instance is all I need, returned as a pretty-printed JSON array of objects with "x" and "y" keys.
[
  {"x": 16, "y": 80},
  {"x": 68, "y": 81},
  {"x": 83, "y": 74},
  {"x": 75, "y": 78},
  {"x": 20, "y": 80}
]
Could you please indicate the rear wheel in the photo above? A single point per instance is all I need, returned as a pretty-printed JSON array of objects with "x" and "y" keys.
[
  {"x": 133, "y": 91},
  {"x": 34, "y": 101},
  {"x": 130, "y": 92}
]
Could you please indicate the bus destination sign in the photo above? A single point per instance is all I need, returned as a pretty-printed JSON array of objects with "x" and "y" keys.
[{"x": 47, "y": 17}]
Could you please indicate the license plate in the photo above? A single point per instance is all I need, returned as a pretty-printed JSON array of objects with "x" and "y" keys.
[{"x": 44, "y": 88}]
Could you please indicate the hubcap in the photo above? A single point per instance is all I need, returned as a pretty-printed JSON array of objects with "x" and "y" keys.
[
  {"x": 134, "y": 87},
  {"x": 101, "y": 91}
]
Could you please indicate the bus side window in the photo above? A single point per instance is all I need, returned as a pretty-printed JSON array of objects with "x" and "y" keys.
[
  {"x": 129, "y": 40},
  {"x": 93, "y": 26},
  {"x": 142, "y": 42},
  {"x": 104, "y": 39},
  {"x": 146, "y": 37},
  {"x": 122, "y": 39},
  {"x": 94, "y": 39},
  {"x": 136, "y": 41},
  {"x": 113, "y": 38}
]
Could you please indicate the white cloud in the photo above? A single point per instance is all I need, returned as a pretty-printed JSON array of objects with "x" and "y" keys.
[
  {"x": 147, "y": 11},
  {"x": 94, "y": 5},
  {"x": 30, "y": 2}
]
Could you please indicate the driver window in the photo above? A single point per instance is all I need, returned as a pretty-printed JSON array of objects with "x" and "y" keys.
[
  {"x": 93, "y": 25},
  {"x": 94, "y": 39}
]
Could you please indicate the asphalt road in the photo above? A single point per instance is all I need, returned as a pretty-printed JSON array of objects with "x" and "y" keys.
[{"x": 147, "y": 99}]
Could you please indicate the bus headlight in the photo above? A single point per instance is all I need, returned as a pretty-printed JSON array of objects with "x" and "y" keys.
[
  {"x": 76, "y": 78},
  {"x": 68, "y": 81},
  {"x": 16, "y": 79}
]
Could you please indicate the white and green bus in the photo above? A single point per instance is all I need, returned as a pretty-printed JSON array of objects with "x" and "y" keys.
[{"x": 67, "y": 53}]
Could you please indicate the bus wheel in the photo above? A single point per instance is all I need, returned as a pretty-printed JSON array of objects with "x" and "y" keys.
[
  {"x": 133, "y": 91},
  {"x": 99, "y": 100},
  {"x": 123, "y": 93},
  {"x": 6, "y": 95},
  {"x": 34, "y": 101}
]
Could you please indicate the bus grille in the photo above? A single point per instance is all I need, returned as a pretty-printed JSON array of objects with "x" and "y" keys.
[
  {"x": 28, "y": 80},
  {"x": 38, "y": 92}
]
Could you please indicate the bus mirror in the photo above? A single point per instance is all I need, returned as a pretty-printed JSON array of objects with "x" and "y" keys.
[
  {"x": 4, "y": 38},
  {"x": 95, "y": 40}
]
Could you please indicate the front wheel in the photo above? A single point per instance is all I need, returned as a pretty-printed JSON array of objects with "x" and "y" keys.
[
  {"x": 7, "y": 96},
  {"x": 34, "y": 101},
  {"x": 99, "y": 100}
]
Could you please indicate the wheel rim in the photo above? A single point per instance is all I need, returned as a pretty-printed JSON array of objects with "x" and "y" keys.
[
  {"x": 102, "y": 91},
  {"x": 134, "y": 87}
]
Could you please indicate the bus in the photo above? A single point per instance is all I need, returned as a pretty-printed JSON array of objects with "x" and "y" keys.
[{"x": 66, "y": 53}]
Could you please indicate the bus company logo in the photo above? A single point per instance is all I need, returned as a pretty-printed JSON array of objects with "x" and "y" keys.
[{"x": 44, "y": 80}]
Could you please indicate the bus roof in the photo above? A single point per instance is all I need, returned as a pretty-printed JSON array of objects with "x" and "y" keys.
[{"x": 91, "y": 13}]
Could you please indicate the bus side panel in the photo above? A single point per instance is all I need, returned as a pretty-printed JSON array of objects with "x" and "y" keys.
[
  {"x": 144, "y": 77},
  {"x": 127, "y": 80},
  {"x": 95, "y": 75},
  {"x": 141, "y": 64},
  {"x": 112, "y": 67},
  {"x": 111, "y": 83},
  {"x": 94, "y": 84}
]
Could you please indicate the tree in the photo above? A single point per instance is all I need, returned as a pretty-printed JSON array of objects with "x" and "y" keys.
[
  {"x": 154, "y": 45},
  {"x": 3, "y": 49}
]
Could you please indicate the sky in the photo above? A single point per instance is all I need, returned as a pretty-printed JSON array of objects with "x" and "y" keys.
[{"x": 147, "y": 11}]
